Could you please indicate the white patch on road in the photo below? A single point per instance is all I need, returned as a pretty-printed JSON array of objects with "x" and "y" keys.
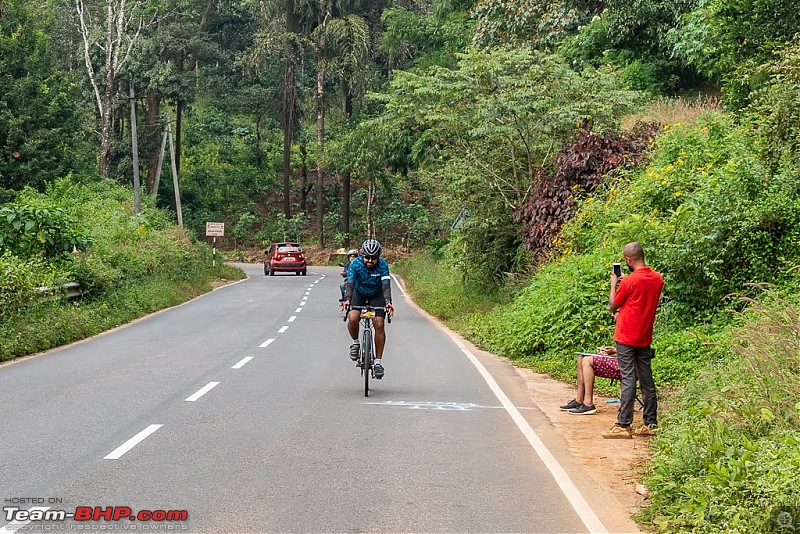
[
  {"x": 117, "y": 453},
  {"x": 267, "y": 342},
  {"x": 283, "y": 329},
  {"x": 15, "y": 526},
  {"x": 242, "y": 362},
  {"x": 445, "y": 406},
  {"x": 202, "y": 391},
  {"x": 561, "y": 477},
  {"x": 441, "y": 406}
]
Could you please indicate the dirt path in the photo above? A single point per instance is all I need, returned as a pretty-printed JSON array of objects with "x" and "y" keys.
[{"x": 614, "y": 464}]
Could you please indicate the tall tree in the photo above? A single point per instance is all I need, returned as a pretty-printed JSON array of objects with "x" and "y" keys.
[
  {"x": 171, "y": 54},
  {"x": 40, "y": 121},
  {"x": 351, "y": 38},
  {"x": 112, "y": 27}
]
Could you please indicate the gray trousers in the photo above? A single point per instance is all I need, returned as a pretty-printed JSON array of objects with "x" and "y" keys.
[{"x": 634, "y": 364}]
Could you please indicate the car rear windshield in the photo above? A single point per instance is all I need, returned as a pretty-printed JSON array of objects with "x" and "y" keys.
[{"x": 288, "y": 249}]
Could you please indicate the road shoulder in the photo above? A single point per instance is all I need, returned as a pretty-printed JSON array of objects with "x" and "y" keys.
[{"x": 606, "y": 472}]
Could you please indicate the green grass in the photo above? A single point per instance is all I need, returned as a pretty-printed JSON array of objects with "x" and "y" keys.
[
  {"x": 50, "y": 323},
  {"x": 438, "y": 288}
]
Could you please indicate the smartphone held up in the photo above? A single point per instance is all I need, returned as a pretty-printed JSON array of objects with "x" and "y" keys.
[{"x": 617, "y": 269}]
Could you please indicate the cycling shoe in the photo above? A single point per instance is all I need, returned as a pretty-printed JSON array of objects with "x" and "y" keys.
[
  {"x": 378, "y": 369},
  {"x": 354, "y": 350}
]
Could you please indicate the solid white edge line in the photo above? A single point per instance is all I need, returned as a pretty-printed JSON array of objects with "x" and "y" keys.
[
  {"x": 561, "y": 477},
  {"x": 15, "y": 526},
  {"x": 241, "y": 362},
  {"x": 399, "y": 285},
  {"x": 117, "y": 453},
  {"x": 283, "y": 329},
  {"x": 202, "y": 391},
  {"x": 292, "y": 318},
  {"x": 267, "y": 342}
]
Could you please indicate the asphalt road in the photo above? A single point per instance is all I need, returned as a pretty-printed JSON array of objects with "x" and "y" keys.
[{"x": 249, "y": 415}]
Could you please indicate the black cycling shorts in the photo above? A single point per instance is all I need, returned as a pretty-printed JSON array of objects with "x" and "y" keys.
[{"x": 377, "y": 301}]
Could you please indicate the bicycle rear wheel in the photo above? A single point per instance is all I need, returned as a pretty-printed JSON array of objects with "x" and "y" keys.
[{"x": 366, "y": 351}]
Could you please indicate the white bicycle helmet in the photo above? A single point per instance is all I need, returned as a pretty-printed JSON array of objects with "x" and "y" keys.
[
  {"x": 371, "y": 247},
  {"x": 352, "y": 252}
]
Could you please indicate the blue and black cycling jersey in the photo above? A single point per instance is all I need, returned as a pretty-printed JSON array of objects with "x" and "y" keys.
[{"x": 369, "y": 281}]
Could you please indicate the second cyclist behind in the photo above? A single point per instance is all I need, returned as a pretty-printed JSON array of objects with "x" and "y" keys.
[{"x": 369, "y": 284}]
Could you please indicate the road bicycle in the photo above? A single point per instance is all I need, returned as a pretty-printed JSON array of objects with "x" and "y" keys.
[{"x": 366, "y": 359}]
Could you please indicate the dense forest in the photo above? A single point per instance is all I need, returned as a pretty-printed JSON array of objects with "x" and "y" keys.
[{"x": 513, "y": 145}]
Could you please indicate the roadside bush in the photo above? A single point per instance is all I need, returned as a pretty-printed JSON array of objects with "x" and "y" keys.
[
  {"x": 709, "y": 218},
  {"x": 20, "y": 277},
  {"x": 729, "y": 451},
  {"x": 38, "y": 228},
  {"x": 561, "y": 312},
  {"x": 439, "y": 289}
]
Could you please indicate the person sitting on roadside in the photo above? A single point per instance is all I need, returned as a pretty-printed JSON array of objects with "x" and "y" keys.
[{"x": 603, "y": 364}]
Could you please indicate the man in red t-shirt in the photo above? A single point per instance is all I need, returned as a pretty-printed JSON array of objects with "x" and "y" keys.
[{"x": 635, "y": 300}]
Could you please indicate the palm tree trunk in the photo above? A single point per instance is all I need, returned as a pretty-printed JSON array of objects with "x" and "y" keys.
[
  {"x": 288, "y": 126},
  {"x": 320, "y": 143},
  {"x": 347, "y": 104}
]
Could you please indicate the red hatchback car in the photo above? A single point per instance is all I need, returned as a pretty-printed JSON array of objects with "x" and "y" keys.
[{"x": 285, "y": 257}]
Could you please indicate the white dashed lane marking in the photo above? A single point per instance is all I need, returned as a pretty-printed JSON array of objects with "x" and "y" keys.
[
  {"x": 202, "y": 391},
  {"x": 242, "y": 362},
  {"x": 131, "y": 443}
]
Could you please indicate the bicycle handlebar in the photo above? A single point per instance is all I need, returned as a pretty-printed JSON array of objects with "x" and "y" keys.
[{"x": 364, "y": 308}]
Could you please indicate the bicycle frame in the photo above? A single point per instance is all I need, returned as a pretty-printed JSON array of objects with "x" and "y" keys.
[{"x": 367, "y": 355}]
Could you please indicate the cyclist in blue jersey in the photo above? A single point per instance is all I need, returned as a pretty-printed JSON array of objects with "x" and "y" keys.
[{"x": 369, "y": 284}]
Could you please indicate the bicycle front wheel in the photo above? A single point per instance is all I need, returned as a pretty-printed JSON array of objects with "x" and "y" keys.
[{"x": 366, "y": 351}]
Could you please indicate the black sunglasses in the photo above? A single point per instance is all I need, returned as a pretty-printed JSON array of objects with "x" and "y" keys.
[{"x": 371, "y": 258}]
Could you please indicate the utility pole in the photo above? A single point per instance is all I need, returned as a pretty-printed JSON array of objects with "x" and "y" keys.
[
  {"x": 174, "y": 174},
  {"x": 137, "y": 193},
  {"x": 160, "y": 163}
]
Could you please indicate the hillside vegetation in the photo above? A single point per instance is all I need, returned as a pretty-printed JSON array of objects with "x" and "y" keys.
[{"x": 721, "y": 221}]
